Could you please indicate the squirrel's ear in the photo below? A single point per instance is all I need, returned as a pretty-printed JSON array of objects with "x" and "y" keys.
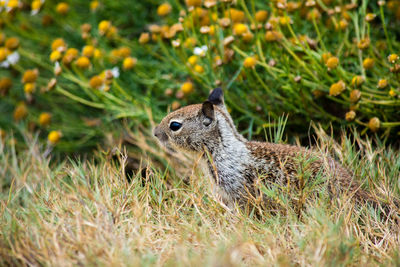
[
  {"x": 216, "y": 97},
  {"x": 207, "y": 109}
]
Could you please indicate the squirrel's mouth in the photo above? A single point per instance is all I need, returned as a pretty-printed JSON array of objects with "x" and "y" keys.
[
  {"x": 164, "y": 142},
  {"x": 167, "y": 147}
]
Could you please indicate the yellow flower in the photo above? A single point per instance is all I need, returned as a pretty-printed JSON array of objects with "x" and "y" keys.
[
  {"x": 247, "y": 37},
  {"x": 20, "y": 111},
  {"x": 292, "y": 6},
  {"x": 94, "y": 5},
  {"x": 55, "y": 55},
  {"x": 3, "y": 53},
  {"x": 124, "y": 52},
  {"x": 217, "y": 61},
  {"x": 115, "y": 55},
  {"x": 193, "y": 2},
  {"x": 249, "y": 62},
  {"x": 54, "y": 137},
  {"x": 44, "y": 119},
  {"x": 5, "y": 86},
  {"x": 261, "y": 15},
  {"x": 111, "y": 32},
  {"x": 313, "y": 14},
  {"x": 86, "y": 28},
  {"x": 332, "y": 63},
  {"x": 392, "y": 58},
  {"x": 129, "y": 63},
  {"x": 343, "y": 24},
  {"x": 187, "y": 87},
  {"x": 13, "y": 4},
  {"x": 73, "y": 52},
  {"x": 192, "y": 60},
  {"x": 58, "y": 44},
  {"x": 337, "y": 88},
  {"x": 326, "y": 56},
  {"x": 355, "y": 95},
  {"x": 364, "y": 43},
  {"x": 235, "y": 15},
  {"x": 382, "y": 83},
  {"x": 357, "y": 80},
  {"x": 29, "y": 88},
  {"x": 212, "y": 30},
  {"x": 374, "y": 124},
  {"x": 346, "y": 15},
  {"x": 88, "y": 51},
  {"x": 62, "y": 8},
  {"x": 368, "y": 63},
  {"x": 199, "y": 69},
  {"x": 30, "y": 76},
  {"x": 12, "y": 43},
  {"x": 240, "y": 28},
  {"x": 350, "y": 116},
  {"x": 97, "y": 53},
  {"x": 36, "y": 4},
  {"x": 271, "y": 36},
  {"x": 144, "y": 38},
  {"x": 104, "y": 26},
  {"x": 96, "y": 82},
  {"x": 285, "y": 20},
  {"x": 189, "y": 42},
  {"x": 83, "y": 62},
  {"x": 70, "y": 55},
  {"x": 164, "y": 9},
  {"x": 392, "y": 92},
  {"x": 370, "y": 17}
]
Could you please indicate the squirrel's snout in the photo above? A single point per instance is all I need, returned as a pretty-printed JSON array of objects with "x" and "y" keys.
[{"x": 160, "y": 134}]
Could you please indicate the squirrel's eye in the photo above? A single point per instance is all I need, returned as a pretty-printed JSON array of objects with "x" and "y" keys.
[{"x": 175, "y": 126}]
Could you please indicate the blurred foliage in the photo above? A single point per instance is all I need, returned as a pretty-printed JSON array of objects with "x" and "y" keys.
[{"x": 324, "y": 60}]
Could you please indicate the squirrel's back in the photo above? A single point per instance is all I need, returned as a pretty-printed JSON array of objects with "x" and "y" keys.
[{"x": 287, "y": 162}]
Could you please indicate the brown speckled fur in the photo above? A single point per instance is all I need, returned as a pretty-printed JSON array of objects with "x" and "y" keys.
[{"x": 288, "y": 158}]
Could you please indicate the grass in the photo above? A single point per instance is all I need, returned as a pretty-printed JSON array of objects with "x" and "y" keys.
[{"x": 86, "y": 212}]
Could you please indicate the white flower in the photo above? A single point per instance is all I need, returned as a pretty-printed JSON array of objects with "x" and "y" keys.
[
  {"x": 115, "y": 72},
  {"x": 57, "y": 68},
  {"x": 11, "y": 59},
  {"x": 5, "y": 64},
  {"x": 200, "y": 51},
  {"x": 56, "y": 65},
  {"x": 176, "y": 43}
]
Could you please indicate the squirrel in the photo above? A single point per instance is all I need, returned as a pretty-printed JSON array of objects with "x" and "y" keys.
[{"x": 236, "y": 164}]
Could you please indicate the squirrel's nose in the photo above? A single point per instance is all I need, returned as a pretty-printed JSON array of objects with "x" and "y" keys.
[
  {"x": 156, "y": 131},
  {"x": 160, "y": 134}
]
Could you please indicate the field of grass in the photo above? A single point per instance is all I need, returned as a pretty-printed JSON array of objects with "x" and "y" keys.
[
  {"x": 83, "y": 83},
  {"x": 85, "y": 212}
]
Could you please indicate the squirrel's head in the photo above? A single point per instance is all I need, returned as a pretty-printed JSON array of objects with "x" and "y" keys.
[{"x": 195, "y": 126}]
